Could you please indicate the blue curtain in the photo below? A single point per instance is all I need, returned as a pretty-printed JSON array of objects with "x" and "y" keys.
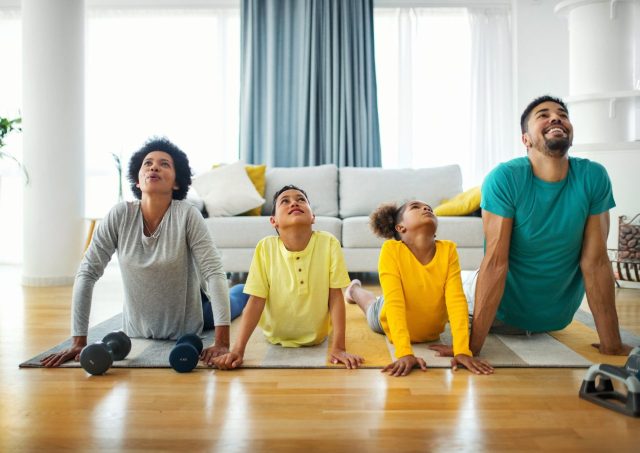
[{"x": 308, "y": 94}]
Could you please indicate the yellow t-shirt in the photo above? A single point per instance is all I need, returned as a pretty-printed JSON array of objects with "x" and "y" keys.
[
  {"x": 296, "y": 288},
  {"x": 419, "y": 299}
]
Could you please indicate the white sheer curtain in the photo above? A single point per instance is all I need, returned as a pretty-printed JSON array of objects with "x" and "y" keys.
[
  {"x": 444, "y": 88},
  {"x": 492, "y": 115},
  {"x": 422, "y": 65}
]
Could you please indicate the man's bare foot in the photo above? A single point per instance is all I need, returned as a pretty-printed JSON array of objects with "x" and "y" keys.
[{"x": 348, "y": 293}]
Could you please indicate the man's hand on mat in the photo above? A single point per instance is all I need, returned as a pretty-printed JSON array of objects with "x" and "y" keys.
[
  {"x": 228, "y": 361},
  {"x": 73, "y": 353},
  {"x": 404, "y": 365},
  {"x": 443, "y": 350},
  {"x": 476, "y": 366},
  {"x": 208, "y": 354},
  {"x": 623, "y": 349},
  {"x": 349, "y": 360}
]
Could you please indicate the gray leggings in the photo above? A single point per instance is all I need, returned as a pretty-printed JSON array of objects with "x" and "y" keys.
[{"x": 373, "y": 315}]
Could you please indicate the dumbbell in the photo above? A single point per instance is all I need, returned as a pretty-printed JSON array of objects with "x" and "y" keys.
[
  {"x": 185, "y": 354},
  {"x": 598, "y": 387},
  {"x": 98, "y": 357}
]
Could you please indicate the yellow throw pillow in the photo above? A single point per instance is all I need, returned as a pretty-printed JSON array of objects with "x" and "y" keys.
[
  {"x": 462, "y": 204},
  {"x": 256, "y": 175}
]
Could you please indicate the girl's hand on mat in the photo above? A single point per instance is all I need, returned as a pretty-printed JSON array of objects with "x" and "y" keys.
[
  {"x": 349, "y": 360},
  {"x": 228, "y": 361},
  {"x": 476, "y": 366},
  {"x": 208, "y": 354},
  {"x": 404, "y": 365},
  {"x": 443, "y": 350},
  {"x": 73, "y": 353}
]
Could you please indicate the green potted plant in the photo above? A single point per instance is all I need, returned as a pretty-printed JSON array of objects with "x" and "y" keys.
[{"x": 7, "y": 126}]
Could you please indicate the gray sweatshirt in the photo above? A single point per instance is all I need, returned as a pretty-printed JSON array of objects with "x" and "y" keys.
[{"x": 161, "y": 276}]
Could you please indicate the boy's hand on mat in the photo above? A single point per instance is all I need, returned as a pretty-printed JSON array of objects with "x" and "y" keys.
[
  {"x": 623, "y": 349},
  {"x": 476, "y": 366},
  {"x": 443, "y": 350},
  {"x": 208, "y": 354},
  {"x": 349, "y": 360},
  {"x": 73, "y": 353},
  {"x": 404, "y": 365},
  {"x": 228, "y": 361}
]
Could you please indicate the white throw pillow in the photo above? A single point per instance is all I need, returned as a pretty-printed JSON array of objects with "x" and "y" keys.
[{"x": 227, "y": 190}]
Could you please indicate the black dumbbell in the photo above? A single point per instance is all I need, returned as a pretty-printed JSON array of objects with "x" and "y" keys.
[
  {"x": 98, "y": 357},
  {"x": 186, "y": 353}
]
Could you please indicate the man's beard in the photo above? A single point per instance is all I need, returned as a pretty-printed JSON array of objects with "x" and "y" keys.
[{"x": 556, "y": 147}]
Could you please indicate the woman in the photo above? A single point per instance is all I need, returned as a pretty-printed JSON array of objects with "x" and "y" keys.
[{"x": 165, "y": 255}]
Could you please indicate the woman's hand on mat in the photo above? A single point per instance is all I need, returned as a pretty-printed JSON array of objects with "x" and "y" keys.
[
  {"x": 623, "y": 349},
  {"x": 228, "y": 361},
  {"x": 476, "y": 366},
  {"x": 73, "y": 353},
  {"x": 208, "y": 354},
  {"x": 404, "y": 365},
  {"x": 349, "y": 360},
  {"x": 443, "y": 350}
]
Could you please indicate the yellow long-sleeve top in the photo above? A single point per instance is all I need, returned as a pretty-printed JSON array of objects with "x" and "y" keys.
[{"x": 420, "y": 298}]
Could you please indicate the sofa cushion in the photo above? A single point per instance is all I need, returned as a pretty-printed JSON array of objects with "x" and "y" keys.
[
  {"x": 227, "y": 190},
  {"x": 464, "y": 231},
  {"x": 245, "y": 232},
  {"x": 464, "y": 203},
  {"x": 362, "y": 190},
  {"x": 320, "y": 183}
]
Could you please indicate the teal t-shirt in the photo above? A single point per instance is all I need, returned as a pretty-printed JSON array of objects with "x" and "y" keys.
[{"x": 544, "y": 286}]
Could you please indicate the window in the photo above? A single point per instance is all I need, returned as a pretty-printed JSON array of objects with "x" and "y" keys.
[
  {"x": 10, "y": 101},
  {"x": 423, "y": 77},
  {"x": 153, "y": 72},
  {"x": 159, "y": 74}
]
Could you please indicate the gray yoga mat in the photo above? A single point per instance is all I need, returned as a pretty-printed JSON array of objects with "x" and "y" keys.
[{"x": 538, "y": 350}]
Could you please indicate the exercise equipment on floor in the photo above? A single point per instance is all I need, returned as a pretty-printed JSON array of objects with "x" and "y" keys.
[
  {"x": 98, "y": 357},
  {"x": 598, "y": 388},
  {"x": 185, "y": 354}
]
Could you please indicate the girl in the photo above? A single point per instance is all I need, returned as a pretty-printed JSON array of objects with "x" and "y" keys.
[{"x": 421, "y": 286}]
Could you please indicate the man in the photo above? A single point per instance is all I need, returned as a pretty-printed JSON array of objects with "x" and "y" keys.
[{"x": 546, "y": 222}]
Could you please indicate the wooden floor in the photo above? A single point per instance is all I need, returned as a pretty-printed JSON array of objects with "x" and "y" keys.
[{"x": 281, "y": 410}]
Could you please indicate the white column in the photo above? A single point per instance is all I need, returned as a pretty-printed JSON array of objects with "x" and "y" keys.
[
  {"x": 601, "y": 69},
  {"x": 600, "y": 46},
  {"x": 604, "y": 100},
  {"x": 53, "y": 139}
]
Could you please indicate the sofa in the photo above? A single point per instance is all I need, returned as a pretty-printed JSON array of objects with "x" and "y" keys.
[{"x": 342, "y": 199}]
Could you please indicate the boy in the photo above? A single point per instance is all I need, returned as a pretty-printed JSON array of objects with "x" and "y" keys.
[{"x": 295, "y": 285}]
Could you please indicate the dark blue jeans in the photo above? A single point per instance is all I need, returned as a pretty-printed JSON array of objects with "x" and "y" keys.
[{"x": 237, "y": 298}]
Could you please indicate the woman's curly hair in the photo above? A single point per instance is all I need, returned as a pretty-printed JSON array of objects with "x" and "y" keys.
[
  {"x": 180, "y": 164},
  {"x": 384, "y": 219}
]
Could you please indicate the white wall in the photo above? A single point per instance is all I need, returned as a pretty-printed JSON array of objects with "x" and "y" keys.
[
  {"x": 541, "y": 47},
  {"x": 541, "y": 66}
]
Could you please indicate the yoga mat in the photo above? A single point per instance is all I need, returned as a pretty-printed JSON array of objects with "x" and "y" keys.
[{"x": 569, "y": 348}]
